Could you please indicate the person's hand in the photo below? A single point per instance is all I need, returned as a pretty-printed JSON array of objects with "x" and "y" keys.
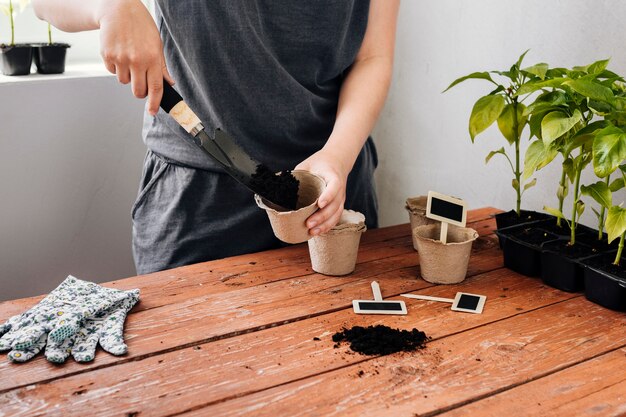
[
  {"x": 333, "y": 170},
  {"x": 131, "y": 47}
]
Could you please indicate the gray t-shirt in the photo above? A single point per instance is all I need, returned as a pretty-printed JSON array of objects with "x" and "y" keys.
[{"x": 268, "y": 72}]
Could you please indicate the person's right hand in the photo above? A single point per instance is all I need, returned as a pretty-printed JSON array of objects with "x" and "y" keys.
[{"x": 131, "y": 47}]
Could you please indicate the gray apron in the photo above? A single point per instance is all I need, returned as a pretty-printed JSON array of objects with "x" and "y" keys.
[{"x": 269, "y": 73}]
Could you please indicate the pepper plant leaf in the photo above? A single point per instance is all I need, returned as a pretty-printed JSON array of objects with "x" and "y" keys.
[
  {"x": 598, "y": 67},
  {"x": 554, "y": 212},
  {"x": 537, "y": 156},
  {"x": 539, "y": 70},
  {"x": 562, "y": 191},
  {"x": 492, "y": 153},
  {"x": 552, "y": 100},
  {"x": 609, "y": 150},
  {"x": 507, "y": 119},
  {"x": 616, "y": 185},
  {"x": 475, "y": 75},
  {"x": 486, "y": 111},
  {"x": 558, "y": 123},
  {"x": 568, "y": 167},
  {"x": 532, "y": 86},
  {"x": 580, "y": 208},
  {"x": 530, "y": 184},
  {"x": 591, "y": 89},
  {"x": 600, "y": 192},
  {"x": 615, "y": 222}
]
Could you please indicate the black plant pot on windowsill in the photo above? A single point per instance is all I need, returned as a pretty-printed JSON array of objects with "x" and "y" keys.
[
  {"x": 605, "y": 283},
  {"x": 50, "y": 58},
  {"x": 16, "y": 59},
  {"x": 560, "y": 268},
  {"x": 522, "y": 245}
]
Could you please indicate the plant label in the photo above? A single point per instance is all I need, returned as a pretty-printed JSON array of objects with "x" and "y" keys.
[
  {"x": 463, "y": 301},
  {"x": 378, "y": 305},
  {"x": 446, "y": 209}
]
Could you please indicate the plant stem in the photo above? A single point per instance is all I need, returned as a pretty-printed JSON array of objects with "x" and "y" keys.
[
  {"x": 49, "y": 34},
  {"x": 618, "y": 257},
  {"x": 574, "y": 222},
  {"x": 517, "y": 170},
  {"x": 602, "y": 212},
  {"x": 561, "y": 198},
  {"x": 12, "y": 23}
]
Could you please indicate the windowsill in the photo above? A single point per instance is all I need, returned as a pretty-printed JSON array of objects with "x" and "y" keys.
[{"x": 90, "y": 70}]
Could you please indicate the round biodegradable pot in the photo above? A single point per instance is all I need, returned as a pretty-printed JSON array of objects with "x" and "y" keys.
[
  {"x": 416, "y": 207},
  {"x": 335, "y": 252},
  {"x": 289, "y": 226},
  {"x": 16, "y": 59},
  {"x": 50, "y": 58},
  {"x": 444, "y": 263}
]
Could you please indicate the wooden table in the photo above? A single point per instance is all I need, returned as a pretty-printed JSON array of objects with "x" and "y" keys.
[{"x": 237, "y": 337}]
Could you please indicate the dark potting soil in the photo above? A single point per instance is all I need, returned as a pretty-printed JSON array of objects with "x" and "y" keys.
[
  {"x": 280, "y": 189},
  {"x": 605, "y": 263},
  {"x": 532, "y": 235},
  {"x": 380, "y": 340},
  {"x": 563, "y": 248}
]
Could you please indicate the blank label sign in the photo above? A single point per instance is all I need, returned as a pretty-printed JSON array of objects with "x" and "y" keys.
[
  {"x": 446, "y": 209},
  {"x": 379, "y": 307},
  {"x": 469, "y": 303}
]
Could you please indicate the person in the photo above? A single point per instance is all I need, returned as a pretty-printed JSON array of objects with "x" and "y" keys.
[{"x": 297, "y": 84}]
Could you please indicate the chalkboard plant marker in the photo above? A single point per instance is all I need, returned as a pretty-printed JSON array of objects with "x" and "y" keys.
[
  {"x": 289, "y": 226},
  {"x": 463, "y": 301},
  {"x": 444, "y": 253},
  {"x": 378, "y": 305},
  {"x": 16, "y": 58},
  {"x": 50, "y": 57},
  {"x": 416, "y": 207},
  {"x": 335, "y": 252}
]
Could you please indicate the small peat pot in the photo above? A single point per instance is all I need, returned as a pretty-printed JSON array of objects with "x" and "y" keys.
[
  {"x": 289, "y": 226},
  {"x": 335, "y": 252},
  {"x": 444, "y": 263},
  {"x": 510, "y": 218},
  {"x": 522, "y": 248},
  {"x": 416, "y": 207},
  {"x": 560, "y": 268},
  {"x": 605, "y": 283},
  {"x": 50, "y": 58},
  {"x": 16, "y": 59}
]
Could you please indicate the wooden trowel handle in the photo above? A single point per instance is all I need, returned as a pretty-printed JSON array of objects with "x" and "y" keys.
[{"x": 173, "y": 104}]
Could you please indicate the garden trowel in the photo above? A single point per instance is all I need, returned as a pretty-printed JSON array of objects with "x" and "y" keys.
[{"x": 221, "y": 147}]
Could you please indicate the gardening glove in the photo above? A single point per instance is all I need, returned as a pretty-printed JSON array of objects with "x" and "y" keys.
[
  {"x": 106, "y": 327},
  {"x": 58, "y": 315}
]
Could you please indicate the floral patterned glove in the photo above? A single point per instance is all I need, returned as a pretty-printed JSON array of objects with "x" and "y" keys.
[
  {"x": 106, "y": 327},
  {"x": 58, "y": 315}
]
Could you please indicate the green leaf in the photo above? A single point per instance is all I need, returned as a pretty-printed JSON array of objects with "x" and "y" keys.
[
  {"x": 532, "y": 86},
  {"x": 580, "y": 209},
  {"x": 616, "y": 185},
  {"x": 561, "y": 192},
  {"x": 591, "y": 89},
  {"x": 568, "y": 167},
  {"x": 600, "y": 192},
  {"x": 598, "y": 66},
  {"x": 539, "y": 70},
  {"x": 609, "y": 150},
  {"x": 475, "y": 75},
  {"x": 530, "y": 184},
  {"x": 615, "y": 222},
  {"x": 596, "y": 212},
  {"x": 486, "y": 111},
  {"x": 492, "y": 153},
  {"x": 552, "y": 100},
  {"x": 506, "y": 119},
  {"x": 558, "y": 123},
  {"x": 554, "y": 212},
  {"x": 537, "y": 156},
  {"x": 518, "y": 64},
  {"x": 515, "y": 184}
]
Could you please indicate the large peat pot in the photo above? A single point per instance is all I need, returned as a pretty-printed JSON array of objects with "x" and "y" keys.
[
  {"x": 50, "y": 58},
  {"x": 16, "y": 59},
  {"x": 510, "y": 218},
  {"x": 521, "y": 246},
  {"x": 605, "y": 283},
  {"x": 560, "y": 268}
]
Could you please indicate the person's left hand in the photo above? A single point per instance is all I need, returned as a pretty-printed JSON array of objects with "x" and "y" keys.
[{"x": 333, "y": 170}]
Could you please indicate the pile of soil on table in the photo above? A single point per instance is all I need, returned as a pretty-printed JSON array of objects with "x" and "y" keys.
[
  {"x": 280, "y": 189},
  {"x": 381, "y": 340}
]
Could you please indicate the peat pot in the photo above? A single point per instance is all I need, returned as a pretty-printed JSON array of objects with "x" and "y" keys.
[
  {"x": 444, "y": 263},
  {"x": 289, "y": 226}
]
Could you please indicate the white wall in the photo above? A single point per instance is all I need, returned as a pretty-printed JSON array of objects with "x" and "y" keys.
[
  {"x": 70, "y": 161},
  {"x": 422, "y": 134}
]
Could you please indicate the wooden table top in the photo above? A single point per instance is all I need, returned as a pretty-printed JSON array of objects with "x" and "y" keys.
[{"x": 237, "y": 337}]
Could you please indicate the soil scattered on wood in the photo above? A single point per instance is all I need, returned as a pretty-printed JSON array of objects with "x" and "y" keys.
[
  {"x": 380, "y": 340},
  {"x": 280, "y": 189}
]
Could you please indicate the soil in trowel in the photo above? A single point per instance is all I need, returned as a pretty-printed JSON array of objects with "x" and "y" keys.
[
  {"x": 280, "y": 189},
  {"x": 380, "y": 340}
]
